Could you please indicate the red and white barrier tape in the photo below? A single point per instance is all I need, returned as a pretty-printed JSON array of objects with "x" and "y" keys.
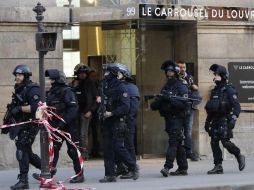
[{"x": 45, "y": 113}]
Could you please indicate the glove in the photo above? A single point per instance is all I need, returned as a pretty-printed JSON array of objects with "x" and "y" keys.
[
  {"x": 232, "y": 121},
  {"x": 207, "y": 127},
  {"x": 16, "y": 110},
  {"x": 155, "y": 104},
  {"x": 5, "y": 131}
]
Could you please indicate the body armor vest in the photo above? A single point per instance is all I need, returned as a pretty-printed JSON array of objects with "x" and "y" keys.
[
  {"x": 218, "y": 103},
  {"x": 55, "y": 98}
]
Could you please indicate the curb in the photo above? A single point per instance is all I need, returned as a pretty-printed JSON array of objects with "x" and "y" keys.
[{"x": 226, "y": 187}]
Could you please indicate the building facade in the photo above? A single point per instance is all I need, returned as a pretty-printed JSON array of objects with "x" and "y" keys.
[{"x": 141, "y": 34}]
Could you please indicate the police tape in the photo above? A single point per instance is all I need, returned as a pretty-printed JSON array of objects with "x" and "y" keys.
[{"x": 43, "y": 114}]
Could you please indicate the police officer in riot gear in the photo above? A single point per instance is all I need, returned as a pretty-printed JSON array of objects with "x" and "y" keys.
[
  {"x": 173, "y": 112},
  {"x": 131, "y": 121},
  {"x": 23, "y": 107},
  {"x": 114, "y": 125},
  {"x": 62, "y": 97},
  {"x": 222, "y": 109}
]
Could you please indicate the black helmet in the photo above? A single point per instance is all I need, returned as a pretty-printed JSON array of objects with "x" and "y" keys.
[
  {"x": 220, "y": 70},
  {"x": 56, "y": 75},
  {"x": 114, "y": 68},
  {"x": 22, "y": 69},
  {"x": 81, "y": 68},
  {"x": 170, "y": 66}
]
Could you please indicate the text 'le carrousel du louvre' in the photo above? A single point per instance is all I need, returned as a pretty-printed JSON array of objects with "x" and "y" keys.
[{"x": 163, "y": 11}]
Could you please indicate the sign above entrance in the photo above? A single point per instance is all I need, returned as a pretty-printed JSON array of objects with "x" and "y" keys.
[
  {"x": 194, "y": 12},
  {"x": 241, "y": 76}
]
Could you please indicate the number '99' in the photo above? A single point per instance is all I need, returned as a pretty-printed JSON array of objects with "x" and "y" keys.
[{"x": 130, "y": 11}]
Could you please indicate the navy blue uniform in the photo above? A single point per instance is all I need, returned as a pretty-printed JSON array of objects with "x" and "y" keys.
[
  {"x": 114, "y": 127},
  {"x": 24, "y": 135},
  {"x": 173, "y": 111},
  {"x": 221, "y": 108},
  {"x": 132, "y": 118},
  {"x": 63, "y": 98}
]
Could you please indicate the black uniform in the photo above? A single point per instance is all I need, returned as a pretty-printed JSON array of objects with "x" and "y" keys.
[
  {"x": 131, "y": 121},
  {"x": 63, "y": 98},
  {"x": 222, "y": 104},
  {"x": 132, "y": 117},
  {"x": 115, "y": 127},
  {"x": 222, "y": 109},
  {"x": 25, "y": 94},
  {"x": 173, "y": 111}
]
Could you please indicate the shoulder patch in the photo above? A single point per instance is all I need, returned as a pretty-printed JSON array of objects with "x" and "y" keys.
[
  {"x": 36, "y": 97},
  {"x": 125, "y": 94},
  {"x": 235, "y": 96}
]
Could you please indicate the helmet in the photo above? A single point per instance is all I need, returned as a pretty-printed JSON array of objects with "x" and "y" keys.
[
  {"x": 170, "y": 66},
  {"x": 56, "y": 75},
  {"x": 114, "y": 68},
  {"x": 22, "y": 69},
  {"x": 220, "y": 70},
  {"x": 81, "y": 68}
]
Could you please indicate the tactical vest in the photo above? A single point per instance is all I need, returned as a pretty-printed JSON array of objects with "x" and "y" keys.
[
  {"x": 113, "y": 99},
  {"x": 23, "y": 101},
  {"x": 219, "y": 103},
  {"x": 165, "y": 107},
  {"x": 55, "y": 98}
]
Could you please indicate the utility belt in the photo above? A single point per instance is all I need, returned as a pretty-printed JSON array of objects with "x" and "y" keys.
[
  {"x": 219, "y": 128},
  {"x": 121, "y": 129},
  {"x": 219, "y": 120}
]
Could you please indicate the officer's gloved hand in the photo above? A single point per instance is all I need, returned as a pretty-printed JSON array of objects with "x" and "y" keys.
[
  {"x": 232, "y": 122},
  {"x": 155, "y": 105},
  {"x": 5, "y": 131},
  {"x": 107, "y": 114},
  {"x": 16, "y": 110},
  {"x": 208, "y": 127}
]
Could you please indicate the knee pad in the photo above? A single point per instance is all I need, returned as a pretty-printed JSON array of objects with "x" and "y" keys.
[{"x": 19, "y": 154}]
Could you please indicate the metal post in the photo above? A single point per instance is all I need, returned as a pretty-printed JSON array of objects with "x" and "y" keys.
[{"x": 39, "y": 9}]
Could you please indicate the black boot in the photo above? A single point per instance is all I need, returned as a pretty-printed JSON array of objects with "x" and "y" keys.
[
  {"x": 179, "y": 172},
  {"x": 38, "y": 176},
  {"x": 241, "y": 161},
  {"x": 78, "y": 179},
  {"x": 135, "y": 172},
  {"x": 22, "y": 183},
  {"x": 218, "y": 169},
  {"x": 165, "y": 171},
  {"x": 108, "y": 179},
  {"x": 192, "y": 156},
  {"x": 121, "y": 169},
  {"x": 132, "y": 174}
]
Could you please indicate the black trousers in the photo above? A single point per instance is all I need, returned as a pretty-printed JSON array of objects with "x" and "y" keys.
[
  {"x": 217, "y": 153},
  {"x": 176, "y": 150},
  {"x": 114, "y": 146},
  {"x": 24, "y": 153},
  {"x": 71, "y": 151}
]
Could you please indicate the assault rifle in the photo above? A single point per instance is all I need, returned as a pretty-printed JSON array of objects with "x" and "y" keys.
[
  {"x": 168, "y": 96},
  {"x": 9, "y": 118},
  {"x": 102, "y": 107}
]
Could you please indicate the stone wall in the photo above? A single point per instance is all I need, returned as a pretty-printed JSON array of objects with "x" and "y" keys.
[
  {"x": 222, "y": 43},
  {"x": 17, "y": 36}
]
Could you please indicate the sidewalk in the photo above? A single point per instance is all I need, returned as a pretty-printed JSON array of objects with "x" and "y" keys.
[{"x": 151, "y": 179}]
